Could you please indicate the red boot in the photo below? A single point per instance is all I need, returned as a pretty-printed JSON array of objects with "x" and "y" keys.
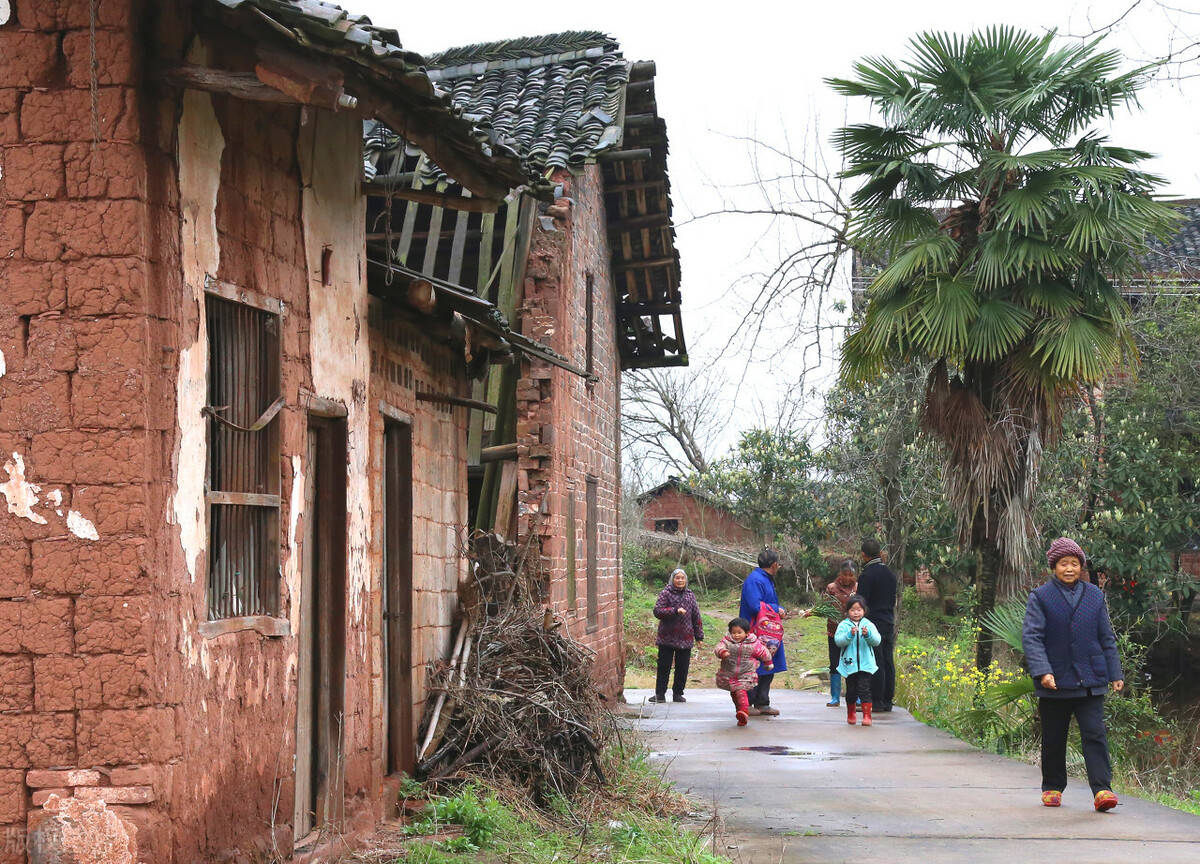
[
  {"x": 866, "y": 713},
  {"x": 742, "y": 703},
  {"x": 850, "y": 717}
]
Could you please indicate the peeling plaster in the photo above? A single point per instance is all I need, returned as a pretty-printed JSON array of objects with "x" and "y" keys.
[
  {"x": 292, "y": 575},
  {"x": 81, "y": 527},
  {"x": 200, "y": 147},
  {"x": 55, "y": 498},
  {"x": 291, "y": 568},
  {"x": 21, "y": 495},
  {"x": 334, "y": 216},
  {"x": 3, "y": 368}
]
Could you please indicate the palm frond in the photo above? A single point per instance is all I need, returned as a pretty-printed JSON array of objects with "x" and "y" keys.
[
  {"x": 1054, "y": 297},
  {"x": 1006, "y": 622},
  {"x": 999, "y": 325},
  {"x": 944, "y": 309},
  {"x": 868, "y": 142},
  {"x": 1079, "y": 348},
  {"x": 934, "y": 252},
  {"x": 1001, "y": 696}
]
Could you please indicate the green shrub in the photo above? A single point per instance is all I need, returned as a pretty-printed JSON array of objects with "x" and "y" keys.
[
  {"x": 920, "y": 617},
  {"x": 480, "y": 815}
]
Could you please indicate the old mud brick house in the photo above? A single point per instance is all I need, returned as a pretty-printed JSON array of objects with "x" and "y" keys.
[
  {"x": 674, "y": 507},
  {"x": 595, "y": 275},
  {"x": 233, "y": 462}
]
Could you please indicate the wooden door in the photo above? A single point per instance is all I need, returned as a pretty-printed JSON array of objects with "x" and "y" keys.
[
  {"x": 400, "y": 749},
  {"x": 320, "y": 703}
]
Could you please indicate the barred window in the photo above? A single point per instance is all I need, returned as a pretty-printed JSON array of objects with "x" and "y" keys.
[{"x": 244, "y": 399}]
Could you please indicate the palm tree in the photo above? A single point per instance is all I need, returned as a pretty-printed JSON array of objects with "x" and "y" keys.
[{"x": 1004, "y": 226}]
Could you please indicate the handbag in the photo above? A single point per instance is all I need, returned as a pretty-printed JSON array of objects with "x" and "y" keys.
[{"x": 768, "y": 627}]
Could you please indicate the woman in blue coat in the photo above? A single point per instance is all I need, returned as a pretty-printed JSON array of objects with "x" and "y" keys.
[{"x": 759, "y": 588}]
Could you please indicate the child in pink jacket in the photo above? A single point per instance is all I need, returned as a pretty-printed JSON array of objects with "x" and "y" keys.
[{"x": 741, "y": 652}]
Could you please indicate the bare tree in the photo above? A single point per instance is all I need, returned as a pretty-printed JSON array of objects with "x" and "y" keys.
[
  {"x": 1165, "y": 30},
  {"x": 670, "y": 419},
  {"x": 792, "y": 306}
]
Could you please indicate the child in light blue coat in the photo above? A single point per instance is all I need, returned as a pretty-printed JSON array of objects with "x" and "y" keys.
[{"x": 857, "y": 637}]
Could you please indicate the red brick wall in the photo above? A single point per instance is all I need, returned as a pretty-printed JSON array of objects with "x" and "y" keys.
[
  {"x": 567, "y": 428},
  {"x": 81, "y": 410},
  {"x": 404, "y": 361},
  {"x": 695, "y": 516}
]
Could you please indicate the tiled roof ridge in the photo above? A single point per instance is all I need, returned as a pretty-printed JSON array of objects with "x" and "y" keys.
[{"x": 567, "y": 42}]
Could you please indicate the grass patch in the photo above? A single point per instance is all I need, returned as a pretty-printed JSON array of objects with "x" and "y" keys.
[{"x": 637, "y": 817}]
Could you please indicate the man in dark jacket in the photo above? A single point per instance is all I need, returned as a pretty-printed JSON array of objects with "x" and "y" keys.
[
  {"x": 877, "y": 585},
  {"x": 1071, "y": 653}
]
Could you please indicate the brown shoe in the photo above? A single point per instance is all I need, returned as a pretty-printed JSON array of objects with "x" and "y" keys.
[
  {"x": 768, "y": 711},
  {"x": 752, "y": 711}
]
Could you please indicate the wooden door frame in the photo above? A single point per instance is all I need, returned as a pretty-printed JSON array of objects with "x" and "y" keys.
[
  {"x": 321, "y": 671},
  {"x": 399, "y": 752}
]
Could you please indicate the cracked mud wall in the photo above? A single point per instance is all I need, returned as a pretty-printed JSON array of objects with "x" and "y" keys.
[
  {"x": 238, "y": 221},
  {"x": 103, "y": 249}
]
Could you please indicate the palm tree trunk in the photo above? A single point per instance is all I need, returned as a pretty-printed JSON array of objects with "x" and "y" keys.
[
  {"x": 985, "y": 564},
  {"x": 987, "y": 580}
]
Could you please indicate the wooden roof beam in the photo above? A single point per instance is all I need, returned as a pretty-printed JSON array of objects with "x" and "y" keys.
[
  {"x": 624, "y": 155},
  {"x": 238, "y": 85},
  {"x": 445, "y": 200},
  {"x": 651, "y": 262}
]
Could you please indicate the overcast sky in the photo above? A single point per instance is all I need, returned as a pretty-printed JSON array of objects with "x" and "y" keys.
[{"x": 733, "y": 70}]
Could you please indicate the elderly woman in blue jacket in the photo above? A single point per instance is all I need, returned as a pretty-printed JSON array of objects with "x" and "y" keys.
[
  {"x": 759, "y": 588},
  {"x": 1071, "y": 653},
  {"x": 857, "y": 637}
]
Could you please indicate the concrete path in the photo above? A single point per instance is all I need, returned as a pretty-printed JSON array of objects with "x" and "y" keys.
[{"x": 898, "y": 791}]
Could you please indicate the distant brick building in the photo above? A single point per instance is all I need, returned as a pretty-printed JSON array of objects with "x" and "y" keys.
[
  {"x": 233, "y": 462},
  {"x": 594, "y": 274},
  {"x": 673, "y": 508}
]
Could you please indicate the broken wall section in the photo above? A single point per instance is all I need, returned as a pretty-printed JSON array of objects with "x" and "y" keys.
[{"x": 568, "y": 428}]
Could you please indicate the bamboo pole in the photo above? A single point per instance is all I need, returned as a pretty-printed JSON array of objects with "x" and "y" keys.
[{"x": 437, "y": 710}]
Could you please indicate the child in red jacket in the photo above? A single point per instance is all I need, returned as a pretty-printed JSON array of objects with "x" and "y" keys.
[{"x": 741, "y": 652}]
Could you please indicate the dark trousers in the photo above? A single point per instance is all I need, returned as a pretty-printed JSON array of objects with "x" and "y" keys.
[
  {"x": 760, "y": 696},
  {"x": 1056, "y": 720},
  {"x": 681, "y": 658},
  {"x": 835, "y": 655},
  {"x": 883, "y": 682},
  {"x": 858, "y": 686}
]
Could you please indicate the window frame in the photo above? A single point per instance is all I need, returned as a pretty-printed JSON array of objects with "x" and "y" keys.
[{"x": 266, "y": 616}]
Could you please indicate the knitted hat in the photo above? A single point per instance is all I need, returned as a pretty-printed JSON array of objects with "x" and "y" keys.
[{"x": 1063, "y": 547}]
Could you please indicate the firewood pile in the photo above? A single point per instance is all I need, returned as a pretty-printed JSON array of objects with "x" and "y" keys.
[{"x": 516, "y": 698}]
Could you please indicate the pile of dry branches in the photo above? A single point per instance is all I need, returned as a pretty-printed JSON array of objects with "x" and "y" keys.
[{"x": 516, "y": 699}]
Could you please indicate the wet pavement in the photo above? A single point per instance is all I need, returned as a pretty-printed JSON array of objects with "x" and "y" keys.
[{"x": 805, "y": 786}]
